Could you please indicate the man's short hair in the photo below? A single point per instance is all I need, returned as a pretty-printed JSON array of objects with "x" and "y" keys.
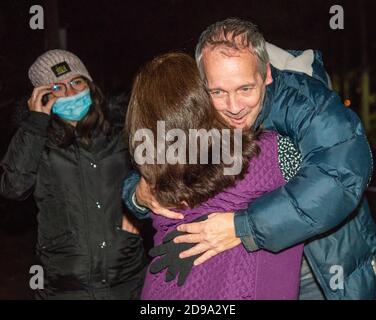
[{"x": 236, "y": 34}]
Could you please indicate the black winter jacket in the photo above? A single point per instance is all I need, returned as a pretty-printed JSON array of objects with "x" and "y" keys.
[{"x": 84, "y": 252}]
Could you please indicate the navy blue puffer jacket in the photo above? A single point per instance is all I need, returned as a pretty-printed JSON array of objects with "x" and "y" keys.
[{"x": 323, "y": 205}]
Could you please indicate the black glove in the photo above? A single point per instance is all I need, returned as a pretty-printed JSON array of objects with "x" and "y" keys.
[{"x": 170, "y": 260}]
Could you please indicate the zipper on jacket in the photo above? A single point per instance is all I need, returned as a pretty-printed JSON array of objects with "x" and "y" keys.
[
  {"x": 104, "y": 272},
  {"x": 83, "y": 197}
]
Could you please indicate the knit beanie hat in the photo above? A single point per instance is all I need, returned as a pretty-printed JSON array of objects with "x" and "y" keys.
[{"x": 54, "y": 66}]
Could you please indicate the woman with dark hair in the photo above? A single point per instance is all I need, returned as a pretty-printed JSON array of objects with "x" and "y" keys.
[
  {"x": 73, "y": 161},
  {"x": 169, "y": 89}
]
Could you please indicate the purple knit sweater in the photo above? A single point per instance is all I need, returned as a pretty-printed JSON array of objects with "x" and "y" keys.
[{"x": 234, "y": 274}]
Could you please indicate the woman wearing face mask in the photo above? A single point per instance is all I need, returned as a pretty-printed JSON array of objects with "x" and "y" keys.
[{"x": 73, "y": 162}]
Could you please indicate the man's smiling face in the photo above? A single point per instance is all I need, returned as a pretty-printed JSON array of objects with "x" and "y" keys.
[{"x": 235, "y": 84}]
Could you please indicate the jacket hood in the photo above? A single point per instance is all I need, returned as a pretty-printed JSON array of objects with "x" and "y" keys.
[{"x": 308, "y": 62}]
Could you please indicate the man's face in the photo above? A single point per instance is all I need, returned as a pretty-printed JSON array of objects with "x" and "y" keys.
[{"x": 235, "y": 84}]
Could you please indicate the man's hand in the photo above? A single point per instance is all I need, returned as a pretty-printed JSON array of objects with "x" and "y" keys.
[
  {"x": 213, "y": 236},
  {"x": 145, "y": 197},
  {"x": 35, "y": 101}
]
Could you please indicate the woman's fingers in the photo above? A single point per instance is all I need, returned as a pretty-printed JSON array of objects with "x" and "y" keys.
[
  {"x": 47, "y": 108},
  {"x": 40, "y": 91},
  {"x": 35, "y": 102}
]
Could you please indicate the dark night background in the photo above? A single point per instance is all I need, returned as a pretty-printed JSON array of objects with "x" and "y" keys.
[{"x": 114, "y": 38}]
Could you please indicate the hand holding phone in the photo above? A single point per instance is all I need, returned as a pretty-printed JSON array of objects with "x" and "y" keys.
[
  {"x": 45, "y": 99},
  {"x": 42, "y": 100}
]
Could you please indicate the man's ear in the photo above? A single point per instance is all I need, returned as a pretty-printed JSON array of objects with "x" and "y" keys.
[{"x": 269, "y": 78}]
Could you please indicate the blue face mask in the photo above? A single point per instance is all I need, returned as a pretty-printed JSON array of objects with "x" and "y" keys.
[{"x": 73, "y": 108}]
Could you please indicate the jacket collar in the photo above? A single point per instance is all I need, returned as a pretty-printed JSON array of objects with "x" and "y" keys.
[{"x": 268, "y": 99}]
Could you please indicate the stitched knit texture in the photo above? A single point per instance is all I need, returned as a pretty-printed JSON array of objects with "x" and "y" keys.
[
  {"x": 41, "y": 73},
  {"x": 234, "y": 274}
]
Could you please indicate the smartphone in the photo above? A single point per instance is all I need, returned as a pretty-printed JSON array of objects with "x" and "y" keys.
[{"x": 45, "y": 99}]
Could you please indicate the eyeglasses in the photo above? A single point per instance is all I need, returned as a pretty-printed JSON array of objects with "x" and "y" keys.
[{"x": 76, "y": 84}]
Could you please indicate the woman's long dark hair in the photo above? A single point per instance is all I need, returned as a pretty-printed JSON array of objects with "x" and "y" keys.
[
  {"x": 169, "y": 89},
  {"x": 63, "y": 134}
]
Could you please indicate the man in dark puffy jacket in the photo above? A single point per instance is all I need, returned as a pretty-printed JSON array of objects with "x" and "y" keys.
[
  {"x": 323, "y": 205},
  {"x": 68, "y": 156}
]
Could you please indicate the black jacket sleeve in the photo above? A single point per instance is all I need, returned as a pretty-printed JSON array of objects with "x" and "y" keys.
[{"x": 19, "y": 166}]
